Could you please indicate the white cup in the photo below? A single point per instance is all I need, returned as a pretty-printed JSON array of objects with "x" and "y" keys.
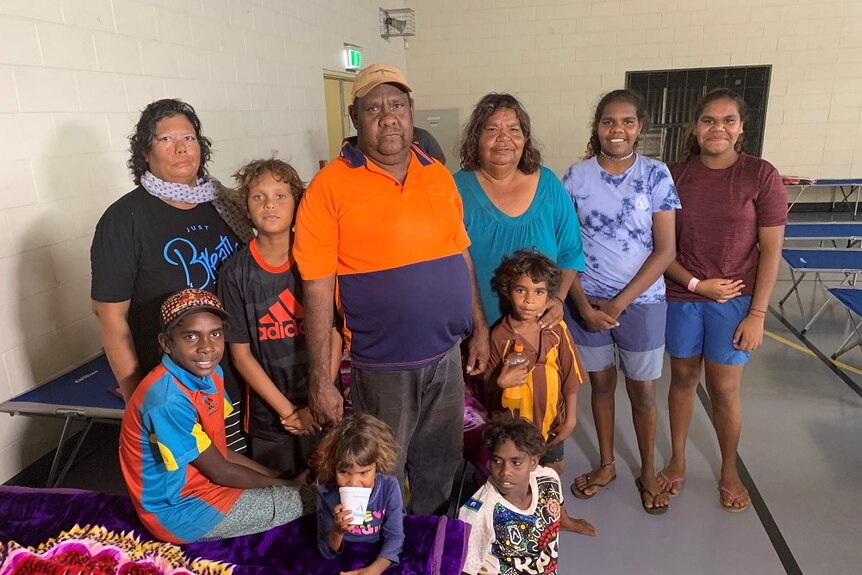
[{"x": 356, "y": 500}]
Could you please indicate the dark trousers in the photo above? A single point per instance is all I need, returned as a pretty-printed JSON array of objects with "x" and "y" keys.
[{"x": 425, "y": 408}]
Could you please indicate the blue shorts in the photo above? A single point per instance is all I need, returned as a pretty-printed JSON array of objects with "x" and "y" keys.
[
  {"x": 553, "y": 454},
  {"x": 639, "y": 338},
  {"x": 706, "y": 328}
]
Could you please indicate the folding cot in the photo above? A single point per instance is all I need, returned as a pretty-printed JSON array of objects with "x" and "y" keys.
[
  {"x": 850, "y": 232},
  {"x": 817, "y": 261},
  {"x": 847, "y": 187},
  {"x": 87, "y": 393},
  {"x": 850, "y": 298}
]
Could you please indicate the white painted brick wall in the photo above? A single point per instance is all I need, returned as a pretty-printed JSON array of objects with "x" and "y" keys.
[
  {"x": 74, "y": 75},
  {"x": 814, "y": 46}
]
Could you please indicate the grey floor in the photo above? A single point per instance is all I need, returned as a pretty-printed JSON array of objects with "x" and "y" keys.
[{"x": 801, "y": 439}]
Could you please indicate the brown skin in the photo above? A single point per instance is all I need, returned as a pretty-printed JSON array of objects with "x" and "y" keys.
[
  {"x": 501, "y": 145},
  {"x": 197, "y": 345},
  {"x": 618, "y": 129},
  {"x": 174, "y": 156},
  {"x": 271, "y": 208},
  {"x": 718, "y": 129},
  {"x": 384, "y": 124},
  {"x": 354, "y": 476}
]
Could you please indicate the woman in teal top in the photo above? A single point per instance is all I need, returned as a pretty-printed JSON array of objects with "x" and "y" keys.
[{"x": 511, "y": 202}]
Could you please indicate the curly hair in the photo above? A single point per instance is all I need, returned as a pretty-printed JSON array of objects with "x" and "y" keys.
[
  {"x": 691, "y": 147},
  {"x": 141, "y": 141},
  {"x": 522, "y": 433},
  {"x": 594, "y": 146},
  {"x": 359, "y": 439},
  {"x": 532, "y": 263},
  {"x": 278, "y": 169},
  {"x": 531, "y": 158}
]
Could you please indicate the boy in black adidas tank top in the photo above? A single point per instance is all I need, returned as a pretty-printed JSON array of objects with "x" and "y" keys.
[{"x": 262, "y": 291}]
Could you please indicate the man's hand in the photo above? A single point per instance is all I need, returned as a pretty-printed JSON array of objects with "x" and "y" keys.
[
  {"x": 326, "y": 404},
  {"x": 478, "y": 350}
]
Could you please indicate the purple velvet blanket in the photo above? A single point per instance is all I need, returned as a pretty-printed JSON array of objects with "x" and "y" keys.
[{"x": 433, "y": 545}]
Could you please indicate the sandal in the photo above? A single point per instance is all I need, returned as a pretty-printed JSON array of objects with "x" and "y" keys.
[
  {"x": 671, "y": 483},
  {"x": 651, "y": 510},
  {"x": 580, "y": 493},
  {"x": 734, "y": 497}
]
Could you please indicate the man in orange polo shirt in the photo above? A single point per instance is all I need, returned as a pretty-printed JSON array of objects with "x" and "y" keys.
[{"x": 380, "y": 231}]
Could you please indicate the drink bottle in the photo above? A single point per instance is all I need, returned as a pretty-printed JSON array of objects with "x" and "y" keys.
[{"x": 516, "y": 357}]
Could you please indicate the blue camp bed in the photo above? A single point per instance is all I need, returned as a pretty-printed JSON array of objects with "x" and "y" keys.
[
  {"x": 817, "y": 261},
  {"x": 847, "y": 187},
  {"x": 850, "y": 232},
  {"x": 850, "y": 298},
  {"x": 86, "y": 393}
]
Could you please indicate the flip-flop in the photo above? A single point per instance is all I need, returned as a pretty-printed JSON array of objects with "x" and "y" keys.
[
  {"x": 579, "y": 493},
  {"x": 651, "y": 510},
  {"x": 676, "y": 480},
  {"x": 733, "y": 499}
]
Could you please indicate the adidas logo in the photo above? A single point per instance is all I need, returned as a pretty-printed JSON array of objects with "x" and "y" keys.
[{"x": 284, "y": 319}]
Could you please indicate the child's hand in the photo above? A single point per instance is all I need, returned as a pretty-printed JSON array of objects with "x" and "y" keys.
[
  {"x": 561, "y": 431},
  {"x": 370, "y": 570},
  {"x": 376, "y": 568},
  {"x": 512, "y": 376},
  {"x": 300, "y": 422},
  {"x": 599, "y": 317},
  {"x": 719, "y": 289},
  {"x": 341, "y": 517}
]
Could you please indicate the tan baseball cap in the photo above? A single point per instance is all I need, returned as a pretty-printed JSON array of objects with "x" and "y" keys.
[{"x": 372, "y": 76}]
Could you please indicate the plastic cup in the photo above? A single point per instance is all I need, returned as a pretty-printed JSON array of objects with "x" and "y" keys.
[{"x": 355, "y": 499}]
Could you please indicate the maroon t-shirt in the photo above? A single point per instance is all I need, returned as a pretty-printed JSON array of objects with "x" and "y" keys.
[{"x": 716, "y": 229}]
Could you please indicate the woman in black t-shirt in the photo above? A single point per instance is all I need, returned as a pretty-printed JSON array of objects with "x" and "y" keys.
[{"x": 171, "y": 232}]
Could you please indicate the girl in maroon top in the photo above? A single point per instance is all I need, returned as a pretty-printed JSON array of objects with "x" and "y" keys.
[{"x": 729, "y": 235}]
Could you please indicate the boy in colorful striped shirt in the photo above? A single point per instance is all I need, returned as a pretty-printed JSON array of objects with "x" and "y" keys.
[{"x": 185, "y": 483}]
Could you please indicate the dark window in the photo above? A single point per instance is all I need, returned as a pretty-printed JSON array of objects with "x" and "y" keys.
[{"x": 671, "y": 96}]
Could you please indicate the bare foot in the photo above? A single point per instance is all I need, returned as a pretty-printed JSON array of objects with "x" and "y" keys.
[
  {"x": 581, "y": 526},
  {"x": 671, "y": 478},
  {"x": 588, "y": 484}
]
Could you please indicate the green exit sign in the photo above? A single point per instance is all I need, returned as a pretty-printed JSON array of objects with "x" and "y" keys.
[{"x": 353, "y": 59}]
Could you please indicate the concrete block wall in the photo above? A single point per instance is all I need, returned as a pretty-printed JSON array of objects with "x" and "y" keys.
[
  {"x": 559, "y": 56},
  {"x": 74, "y": 75}
]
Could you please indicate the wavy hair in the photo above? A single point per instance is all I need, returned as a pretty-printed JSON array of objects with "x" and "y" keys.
[
  {"x": 141, "y": 141},
  {"x": 278, "y": 169},
  {"x": 531, "y": 158},
  {"x": 532, "y": 263},
  {"x": 359, "y": 439},
  {"x": 522, "y": 433},
  {"x": 594, "y": 146},
  {"x": 691, "y": 147}
]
